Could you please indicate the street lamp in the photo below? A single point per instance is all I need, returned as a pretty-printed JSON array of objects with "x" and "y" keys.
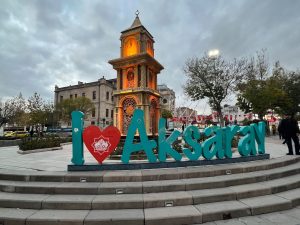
[{"x": 214, "y": 53}]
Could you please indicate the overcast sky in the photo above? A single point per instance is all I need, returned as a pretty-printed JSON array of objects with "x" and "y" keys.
[{"x": 43, "y": 43}]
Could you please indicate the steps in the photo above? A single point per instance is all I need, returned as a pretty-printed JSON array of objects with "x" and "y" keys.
[{"x": 190, "y": 195}]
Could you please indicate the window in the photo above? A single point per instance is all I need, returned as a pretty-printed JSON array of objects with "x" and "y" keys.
[
  {"x": 121, "y": 78},
  {"x": 93, "y": 112},
  {"x": 112, "y": 98},
  {"x": 112, "y": 113},
  {"x": 130, "y": 79},
  {"x": 107, "y": 111},
  {"x": 94, "y": 94},
  {"x": 61, "y": 98},
  {"x": 75, "y": 95},
  {"x": 139, "y": 76},
  {"x": 83, "y": 94},
  {"x": 107, "y": 95},
  {"x": 71, "y": 96}
]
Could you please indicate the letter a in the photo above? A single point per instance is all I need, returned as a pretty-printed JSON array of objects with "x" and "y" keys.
[{"x": 138, "y": 123}]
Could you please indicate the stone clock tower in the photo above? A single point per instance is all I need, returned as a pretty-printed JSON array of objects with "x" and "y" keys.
[{"x": 137, "y": 72}]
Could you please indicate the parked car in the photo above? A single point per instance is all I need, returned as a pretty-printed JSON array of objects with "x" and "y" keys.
[
  {"x": 9, "y": 134},
  {"x": 16, "y": 134},
  {"x": 21, "y": 134}
]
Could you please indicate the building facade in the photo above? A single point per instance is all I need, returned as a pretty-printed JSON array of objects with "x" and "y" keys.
[
  {"x": 186, "y": 113},
  {"x": 99, "y": 92},
  {"x": 167, "y": 100},
  {"x": 137, "y": 72},
  {"x": 232, "y": 114}
]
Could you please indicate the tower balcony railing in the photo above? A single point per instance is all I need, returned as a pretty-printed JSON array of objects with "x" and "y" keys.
[{"x": 135, "y": 90}]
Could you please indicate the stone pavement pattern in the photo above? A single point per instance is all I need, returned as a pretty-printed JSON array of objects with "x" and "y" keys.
[{"x": 286, "y": 217}]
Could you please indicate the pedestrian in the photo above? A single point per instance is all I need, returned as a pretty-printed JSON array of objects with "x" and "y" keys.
[
  {"x": 281, "y": 126},
  {"x": 290, "y": 131},
  {"x": 31, "y": 132}
]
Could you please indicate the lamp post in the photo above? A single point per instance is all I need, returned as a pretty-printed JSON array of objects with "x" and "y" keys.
[{"x": 214, "y": 53}]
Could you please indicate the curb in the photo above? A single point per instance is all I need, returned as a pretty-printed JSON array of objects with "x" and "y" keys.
[{"x": 39, "y": 150}]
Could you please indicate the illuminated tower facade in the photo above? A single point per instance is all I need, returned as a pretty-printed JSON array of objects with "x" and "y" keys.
[{"x": 137, "y": 72}]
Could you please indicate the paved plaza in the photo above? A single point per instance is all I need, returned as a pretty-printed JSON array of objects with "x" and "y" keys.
[{"x": 287, "y": 217}]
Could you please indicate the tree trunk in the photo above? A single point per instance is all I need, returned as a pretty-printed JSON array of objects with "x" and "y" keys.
[{"x": 221, "y": 119}]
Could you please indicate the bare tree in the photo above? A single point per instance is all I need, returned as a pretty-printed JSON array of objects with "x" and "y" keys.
[
  {"x": 213, "y": 78},
  {"x": 12, "y": 110}
]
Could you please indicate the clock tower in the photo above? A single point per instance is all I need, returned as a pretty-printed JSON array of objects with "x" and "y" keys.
[{"x": 137, "y": 72}]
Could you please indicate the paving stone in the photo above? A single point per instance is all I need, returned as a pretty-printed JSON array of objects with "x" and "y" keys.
[
  {"x": 89, "y": 188},
  {"x": 212, "y": 195},
  {"x": 282, "y": 171},
  {"x": 115, "y": 217},
  {"x": 48, "y": 176},
  {"x": 163, "y": 186},
  {"x": 204, "y": 183},
  {"x": 12, "y": 216},
  {"x": 208, "y": 223},
  {"x": 161, "y": 174},
  {"x": 288, "y": 217},
  {"x": 266, "y": 204},
  {"x": 122, "y": 176},
  {"x": 126, "y": 187},
  {"x": 294, "y": 213},
  {"x": 223, "y": 210},
  {"x": 284, "y": 184},
  {"x": 254, "y": 220},
  {"x": 118, "y": 201},
  {"x": 229, "y": 222},
  {"x": 68, "y": 202},
  {"x": 172, "y": 215},
  {"x": 57, "y": 217},
  {"x": 250, "y": 190},
  {"x": 197, "y": 172},
  {"x": 244, "y": 178},
  {"x": 178, "y": 198},
  {"x": 279, "y": 218},
  {"x": 16, "y": 200},
  {"x": 87, "y": 176},
  {"x": 36, "y": 187},
  {"x": 292, "y": 195},
  {"x": 14, "y": 175}
]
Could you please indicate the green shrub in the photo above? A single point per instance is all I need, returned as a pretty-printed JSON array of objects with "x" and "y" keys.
[{"x": 37, "y": 143}]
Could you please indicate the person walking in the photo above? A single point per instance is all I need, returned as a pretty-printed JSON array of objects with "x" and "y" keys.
[{"x": 290, "y": 131}]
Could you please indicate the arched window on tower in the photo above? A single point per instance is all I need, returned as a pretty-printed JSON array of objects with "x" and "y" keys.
[
  {"x": 128, "y": 108},
  {"x": 130, "y": 79},
  {"x": 150, "y": 48}
]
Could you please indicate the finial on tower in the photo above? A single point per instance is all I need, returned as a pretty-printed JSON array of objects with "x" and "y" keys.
[
  {"x": 136, "y": 22},
  {"x": 137, "y": 12}
]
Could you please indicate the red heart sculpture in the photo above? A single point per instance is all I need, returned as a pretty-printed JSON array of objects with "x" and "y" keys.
[{"x": 101, "y": 143}]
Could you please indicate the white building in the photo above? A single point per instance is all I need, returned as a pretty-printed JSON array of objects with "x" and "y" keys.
[{"x": 167, "y": 100}]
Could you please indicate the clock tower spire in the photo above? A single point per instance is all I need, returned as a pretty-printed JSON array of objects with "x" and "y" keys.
[{"x": 137, "y": 72}]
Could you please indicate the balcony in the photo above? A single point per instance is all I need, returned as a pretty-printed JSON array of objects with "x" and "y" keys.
[{"x": 136, "y": 90}]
